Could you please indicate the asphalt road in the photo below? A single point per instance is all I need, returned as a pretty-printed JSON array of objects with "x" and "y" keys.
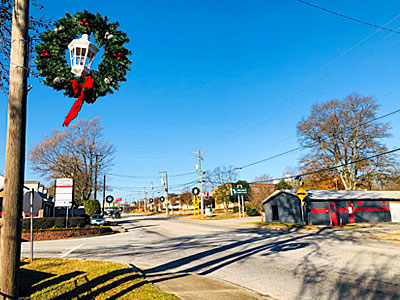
[{"x": 321, "y": 264}]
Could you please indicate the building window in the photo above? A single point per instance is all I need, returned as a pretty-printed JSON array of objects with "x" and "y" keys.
[{"x": 275, "y": 213}]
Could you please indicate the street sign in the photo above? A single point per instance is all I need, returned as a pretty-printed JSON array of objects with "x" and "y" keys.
[
  {"x": 206, "y": 195},
  {"x": 196, "y": 201},
  {"x": 195, "y": 191},
  {"x": 162, "y": 199},
  {"x": 301, "y": 193},
  {"x": 109, "y": 199},
  {"x": 64, "y": 192},
  {"x": 239, "y": 191}
]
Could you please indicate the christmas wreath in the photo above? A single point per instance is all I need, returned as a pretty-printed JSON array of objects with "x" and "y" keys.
[{"x": 52, "y": 63}]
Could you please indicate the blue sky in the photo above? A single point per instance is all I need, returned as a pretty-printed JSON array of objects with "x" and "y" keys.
[{"x": 232, "y": 78}]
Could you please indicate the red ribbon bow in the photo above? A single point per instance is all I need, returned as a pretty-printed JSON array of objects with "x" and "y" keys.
[{"x": 79, "y": 88}]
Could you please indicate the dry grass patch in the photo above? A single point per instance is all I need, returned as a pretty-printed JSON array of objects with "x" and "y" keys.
[
  {"x": 56, "y": 278},
  {"x": 218, "y": 216}
]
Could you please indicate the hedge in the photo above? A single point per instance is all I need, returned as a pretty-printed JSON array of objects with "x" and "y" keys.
[
  {"x": 100, "y": 228},
  {"x": 43, "y": 223},
  {"x": 249, "y": 211},
  {"x": 252, "y": 212}
]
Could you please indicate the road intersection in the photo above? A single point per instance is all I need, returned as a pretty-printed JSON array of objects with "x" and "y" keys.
[{"x": 313, "y": 264}]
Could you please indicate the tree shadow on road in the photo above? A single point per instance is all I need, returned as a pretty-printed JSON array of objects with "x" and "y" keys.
[
  {"x": 322, "y": 280},
  {"x": 355, "y": 275}
]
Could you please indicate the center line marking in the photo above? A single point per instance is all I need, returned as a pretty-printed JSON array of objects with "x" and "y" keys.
[{"x": 70, "y": 250}]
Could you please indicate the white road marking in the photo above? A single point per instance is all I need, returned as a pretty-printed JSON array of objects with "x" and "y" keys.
[{"x": 70, "y": 250}]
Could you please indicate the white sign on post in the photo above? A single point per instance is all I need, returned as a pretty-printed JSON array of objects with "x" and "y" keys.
[{"x": 64, "y": 192}]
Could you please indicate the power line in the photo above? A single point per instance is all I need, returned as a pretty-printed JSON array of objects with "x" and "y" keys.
[
  {"x": 261, "y": 117},
  {"x": 271, "y": 157},
  {"x": 303, "y": 147},
  {"x": 331, "y": 168},
  {"x": 347, "y": 17},
  {"x": 150, "y": 177}
]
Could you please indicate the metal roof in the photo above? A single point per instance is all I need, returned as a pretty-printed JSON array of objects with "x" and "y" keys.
[{"x": 341, "y": 195}]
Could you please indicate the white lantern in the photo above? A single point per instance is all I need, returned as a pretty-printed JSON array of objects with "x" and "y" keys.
[{"x": 81, "y": 53}]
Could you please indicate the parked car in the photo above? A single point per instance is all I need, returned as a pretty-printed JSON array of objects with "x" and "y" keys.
[
  {"x": 115, "y": 214},
  {"x": 97, "y": 220}
]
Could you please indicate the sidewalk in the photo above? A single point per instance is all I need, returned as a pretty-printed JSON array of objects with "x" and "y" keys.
[{"x": 195, "y": 287}]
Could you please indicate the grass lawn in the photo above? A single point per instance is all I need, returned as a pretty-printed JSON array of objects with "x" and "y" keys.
[
  {"x": 56, "y": 278},
  {"x": 217, "y": 216}
]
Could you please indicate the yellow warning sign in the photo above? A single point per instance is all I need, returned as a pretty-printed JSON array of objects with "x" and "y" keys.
[{"x": 301, "y": 193}]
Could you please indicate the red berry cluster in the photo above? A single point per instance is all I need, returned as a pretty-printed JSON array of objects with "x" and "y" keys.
[
  {"x": 119, "y": 56},
  {"x": 45, "y": 53},
  {"x": 84, "y": 22}
]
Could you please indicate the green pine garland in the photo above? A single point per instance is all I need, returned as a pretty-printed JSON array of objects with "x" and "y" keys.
[{"x": 54, "y": 66}]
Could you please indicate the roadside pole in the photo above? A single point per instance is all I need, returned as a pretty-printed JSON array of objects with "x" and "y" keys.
[
  {"x": 66, "y": 219},
  {"x": 166, "y": 194},
  {"x": 164, "y": 181},
  {"x": 10, "y": 249},
  {"x": 240, "y": 209},
  {"x": 200, "y": 180},
  {"x": 145, "y": 199},
  {"x": 152, "y": 193},
  {"x": 243, "y": 207},
  {"x": 239, "y": 197},
  {"x": 32, "y": 198},
  {"x": 104, "y": 193}
]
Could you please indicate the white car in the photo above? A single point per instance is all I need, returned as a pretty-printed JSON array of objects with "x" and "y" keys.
[{"x": 97, "y": 220}]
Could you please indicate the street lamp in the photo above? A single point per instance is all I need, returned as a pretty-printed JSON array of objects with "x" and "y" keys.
[{"x": 81, "y": 54}]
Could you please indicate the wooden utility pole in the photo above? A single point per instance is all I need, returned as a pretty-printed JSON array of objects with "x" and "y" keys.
[
  {"x": 200, "y": 180},
  {"x": 164, "y": 181},
  {"x": 10, "y": 249},
  {"x": 104, "y": 193},
  {"x": 145, "y": 199}
]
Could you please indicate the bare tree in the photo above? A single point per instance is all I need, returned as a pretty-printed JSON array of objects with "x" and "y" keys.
[
  {"x": 185, "y": 198},
  {"x": 221, "y": 175},
  {"x": 342, "y": 134},
  {"x": 78, "y": 151},
  {"x": 265, "y": 178},
  {"x": 36, "y": 26}
]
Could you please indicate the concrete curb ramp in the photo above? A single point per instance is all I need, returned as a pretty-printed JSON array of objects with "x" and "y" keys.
[{"x": 195, "y": 287}]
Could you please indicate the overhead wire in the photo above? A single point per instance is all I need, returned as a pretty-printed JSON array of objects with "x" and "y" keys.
[
  {"x": 261, "y": 116},
  {"x": 303, "y": 147},
  {"x": 347, "y": 17},
  {"x": 330, "y": 168}
]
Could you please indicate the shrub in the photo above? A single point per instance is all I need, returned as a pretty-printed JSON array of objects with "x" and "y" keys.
[
  {"x": 235, "y": 209},
  {"x": 252, "y": 212},
  {"x": 92, "y": 207},
  {"x": 44, "y": 223}
]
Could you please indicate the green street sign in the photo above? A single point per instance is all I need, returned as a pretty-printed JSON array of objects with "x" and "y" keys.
[{"x": 239, "y": 191}]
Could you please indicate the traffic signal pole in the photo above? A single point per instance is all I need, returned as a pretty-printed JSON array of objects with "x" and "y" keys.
[{"x": 10, "y": 249}]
